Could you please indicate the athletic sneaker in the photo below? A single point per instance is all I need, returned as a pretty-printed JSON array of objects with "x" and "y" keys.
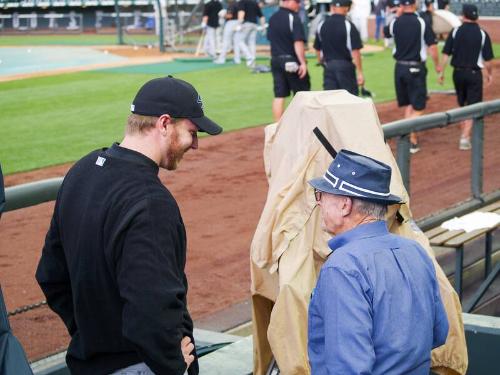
[
  {"x": 414, "y": 148},
  {"x": 251, "y": 62},
  {"x": 464, "y": 144}
]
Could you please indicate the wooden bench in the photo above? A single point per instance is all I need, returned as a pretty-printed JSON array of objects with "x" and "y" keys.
[{"x": 456, "y": 239}]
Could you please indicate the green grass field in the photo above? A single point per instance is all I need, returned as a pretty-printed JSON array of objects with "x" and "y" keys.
[{"x": 53, "y": 120}]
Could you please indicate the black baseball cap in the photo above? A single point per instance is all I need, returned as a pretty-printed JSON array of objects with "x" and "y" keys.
[
  {"x": 407, "y": 2},
  {"x": 470, "y": 11},
  {"x": 428, "y": 2},
  {"x": 341, "y": 3},
  {"x": 178, "y": 98},
  {"x": 394, "y": 3}
]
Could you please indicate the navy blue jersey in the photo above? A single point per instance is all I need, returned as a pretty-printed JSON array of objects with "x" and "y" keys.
[
  {"x": 470, "y": 46},
  {"x": 411, "y": 37},
  {"x": 285, "y": 28},
  {"x": 212, "y": 9},
  {"x": 337, "y": 37},
  {"x": 251, "y": 9}
]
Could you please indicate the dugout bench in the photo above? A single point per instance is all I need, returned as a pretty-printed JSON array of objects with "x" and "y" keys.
[{"x": 457, "y": 239}]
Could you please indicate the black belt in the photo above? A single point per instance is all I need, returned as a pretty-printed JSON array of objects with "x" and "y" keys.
[
  {"x": 333, "y": 61},
  {"x": 284, "y": 57},
  {"x": 410, "y": 63},
  {"x": 466, "y": 68}
]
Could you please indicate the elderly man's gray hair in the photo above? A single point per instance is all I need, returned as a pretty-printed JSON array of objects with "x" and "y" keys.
[{"x": 376, "y": 210}]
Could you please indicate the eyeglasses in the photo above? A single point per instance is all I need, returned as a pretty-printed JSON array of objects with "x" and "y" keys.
[{"x": 317, "y": 195}]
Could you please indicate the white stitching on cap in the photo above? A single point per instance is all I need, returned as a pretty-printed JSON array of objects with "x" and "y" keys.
[
  {"x": 357, "y": 187},
  {"x": 334, "y": 177}
]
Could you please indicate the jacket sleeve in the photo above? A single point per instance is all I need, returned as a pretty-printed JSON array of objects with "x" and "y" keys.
[
  {"x": 188, "y": 331},
  {"x": 150, "y": 276},
  {"x": 53, "y": 276}
]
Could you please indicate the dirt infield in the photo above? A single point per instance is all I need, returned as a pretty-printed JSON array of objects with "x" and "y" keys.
[{"x": 221, "y": 189}]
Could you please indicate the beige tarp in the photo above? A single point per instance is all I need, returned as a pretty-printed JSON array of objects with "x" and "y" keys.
[{"x": 289, "y": 247}]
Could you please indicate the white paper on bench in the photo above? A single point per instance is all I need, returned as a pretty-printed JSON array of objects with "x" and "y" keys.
[{"x": 472, "y": 221}]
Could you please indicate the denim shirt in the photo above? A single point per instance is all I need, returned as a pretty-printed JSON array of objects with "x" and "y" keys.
[{"x": 376, "y": 308}]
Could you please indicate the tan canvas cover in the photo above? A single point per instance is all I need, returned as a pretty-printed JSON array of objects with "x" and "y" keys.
[
  {"x": 289, "y": 246},
  {"x": 443, "y": 21}
]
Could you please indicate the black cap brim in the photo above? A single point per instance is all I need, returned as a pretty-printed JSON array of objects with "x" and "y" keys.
[{"x": 206, "y": 125}]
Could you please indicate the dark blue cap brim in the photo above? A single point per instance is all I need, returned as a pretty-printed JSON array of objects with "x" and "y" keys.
[
  {"x": 322, "y": 185},
  {"x": 206, "y": 125}
]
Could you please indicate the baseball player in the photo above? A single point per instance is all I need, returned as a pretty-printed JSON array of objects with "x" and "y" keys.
[
  {"x": 248, "y": 13},
  {"x": 229, "y": 35},
  {"x": 412, "y": 39},
  {"x": 288, "y": 61},
  {"x": 338, "y": 46},
  {"x": 471, "y": 49},
  {"x": 210, "y": 23}
]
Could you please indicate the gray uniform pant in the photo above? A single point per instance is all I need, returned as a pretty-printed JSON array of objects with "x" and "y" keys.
[
  {"x": 209, "y": 45},
  {"x": 229, "y": 38},
  {"x": 248, "y": 40}
]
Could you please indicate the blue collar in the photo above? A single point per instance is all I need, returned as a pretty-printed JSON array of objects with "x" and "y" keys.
[{"x": 375, "y": 229}]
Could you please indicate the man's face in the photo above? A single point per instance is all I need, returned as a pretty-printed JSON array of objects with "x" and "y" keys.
[
  {"x": 182, "y": 137},
  {"x": 293, "y": 5},
  {"x": 333, "y": 212}
]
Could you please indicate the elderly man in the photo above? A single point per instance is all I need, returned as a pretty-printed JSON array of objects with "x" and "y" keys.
[
  {"x": 113, "y": 262},
  {"x": 376, "y": 308}
]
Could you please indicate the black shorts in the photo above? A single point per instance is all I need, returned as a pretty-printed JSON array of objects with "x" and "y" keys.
[
  {"x": 411, "y": 85},
  {"x": 468, "y": 86},
  {"x": 284, "y": 82},
  {"x": 339, "y": 74}
]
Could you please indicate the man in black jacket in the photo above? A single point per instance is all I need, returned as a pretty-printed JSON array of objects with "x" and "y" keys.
[{"x": 113, "y": 262}]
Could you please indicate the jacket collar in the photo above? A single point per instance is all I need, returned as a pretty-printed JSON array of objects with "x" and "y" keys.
[
  {"x": 131, "y": 156},
  {"x": 375, "y": 229}
]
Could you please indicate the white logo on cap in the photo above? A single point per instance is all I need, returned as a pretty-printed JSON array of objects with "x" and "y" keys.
[
  {"x": 132, "y": 107},
  {"x": 199, "y": 101}
]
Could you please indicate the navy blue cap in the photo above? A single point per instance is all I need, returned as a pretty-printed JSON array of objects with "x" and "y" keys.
[
  {"x": 407, "y": 2},
  {"x": 358, "y": 176},
  {"x": 470, "y": 11},
  {"x": 175, "y": 97},
  {"x": 341, "y": 3}
]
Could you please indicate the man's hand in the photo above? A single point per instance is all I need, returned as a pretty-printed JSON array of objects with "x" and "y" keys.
[
  {"x": 361, "y": 79},
  {"x": 440, "y": 79},
  {"x": 187, "y": 347},
  {"x": 489, "y": 79},
  {"x": 439, "y": 69},
  {"x": 302, "y": 70}
]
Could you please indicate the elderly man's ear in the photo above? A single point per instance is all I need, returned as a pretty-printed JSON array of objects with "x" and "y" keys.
[{"x": 346, "y": 206}]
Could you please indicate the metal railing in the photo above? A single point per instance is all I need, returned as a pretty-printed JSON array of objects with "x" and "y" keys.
[
  {"x": 402, "y": 129},
  {"x": 43, "y": 191}
]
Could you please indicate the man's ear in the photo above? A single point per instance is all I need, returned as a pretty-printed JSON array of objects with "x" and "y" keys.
[
  {"x": 347, "y": 206},
  {"x": 163, "y": 122}
]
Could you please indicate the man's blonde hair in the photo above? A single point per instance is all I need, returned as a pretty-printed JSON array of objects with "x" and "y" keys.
[{"x": 139, "y": 123}]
